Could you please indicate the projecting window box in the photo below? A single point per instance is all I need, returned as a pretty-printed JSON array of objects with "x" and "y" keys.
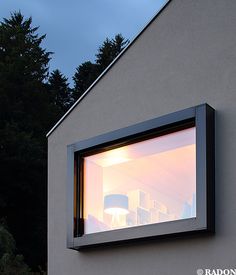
[{"x": 148, "y": 180}]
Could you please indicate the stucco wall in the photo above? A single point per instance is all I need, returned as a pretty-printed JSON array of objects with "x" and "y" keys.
[{"x": 186, "y": 57}]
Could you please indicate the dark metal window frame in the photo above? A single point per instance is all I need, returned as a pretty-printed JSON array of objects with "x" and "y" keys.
[{"x": 202, "y": 117}]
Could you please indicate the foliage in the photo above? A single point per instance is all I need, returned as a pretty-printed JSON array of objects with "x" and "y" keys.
[
  {"x": 59, "y": 92},
  {"x": 110, "y": 50},
  {"x": 87, "y": 72},
  {"x": 10, "y": 263},
  {"x": 25, "y": 115},
  {"x": 84, "y": 76}
]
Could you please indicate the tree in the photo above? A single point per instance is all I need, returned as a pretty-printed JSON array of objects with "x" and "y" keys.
[
  {"x": 110, "y": 50},
  {"x": 59, "y": 91},
  {"x": 87, "y": 72},
  {"x": 84, "y": 76},
  {"x": 10, "y": 262},
  {"x": 25, "y": 116}
]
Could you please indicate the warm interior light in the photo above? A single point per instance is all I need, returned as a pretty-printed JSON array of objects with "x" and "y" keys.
[
  {"x": 151, "y": 181},
  {"x": 116, "y": 211},
  {"x": 112, "y": 157},
  {"x": 116, "y": 205},
  {"x": 112, "y": 160}
]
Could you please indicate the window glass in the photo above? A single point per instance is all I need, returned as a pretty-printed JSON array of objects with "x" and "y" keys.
[{"x": 151, "y": 181}]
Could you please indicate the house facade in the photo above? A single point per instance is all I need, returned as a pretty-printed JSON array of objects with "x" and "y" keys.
[{"x": 185, "y": 57}]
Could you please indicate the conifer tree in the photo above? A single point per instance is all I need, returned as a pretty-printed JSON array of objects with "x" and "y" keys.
[
  {"x": 84, "y": 76},
  {"x": 110, "y": 50},
  {"x": 59, "y": 91},
  {"x": 87, "y": 72},
  {"x": 25, "y": 116}
]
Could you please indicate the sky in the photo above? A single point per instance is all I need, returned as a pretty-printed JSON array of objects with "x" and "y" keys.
[{"x": 76, "y": 28}]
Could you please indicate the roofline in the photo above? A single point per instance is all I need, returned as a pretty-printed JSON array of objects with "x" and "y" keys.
[{"x": 107, "y": 69}]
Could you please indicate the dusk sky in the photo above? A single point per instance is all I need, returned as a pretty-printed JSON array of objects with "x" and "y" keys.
[{"x": 75, "y": 29}]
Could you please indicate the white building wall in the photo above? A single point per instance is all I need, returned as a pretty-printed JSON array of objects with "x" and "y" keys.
[{"x": 186, "y": 57}]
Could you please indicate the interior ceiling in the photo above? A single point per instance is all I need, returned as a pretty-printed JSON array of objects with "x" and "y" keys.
[
  {"x": 144, "y": 148},
  {"x": 171, "y": 172}
]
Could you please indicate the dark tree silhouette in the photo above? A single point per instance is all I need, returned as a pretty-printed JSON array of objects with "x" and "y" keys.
[
  {"x": 10, "y": 262},
  {"x": 25, "y": 115},
  {"x": 87, "y": 72},
  {"x": 110, "y": 50},
  {"x": 59, "y": 91},
  {"x": 84, "y": 76}
]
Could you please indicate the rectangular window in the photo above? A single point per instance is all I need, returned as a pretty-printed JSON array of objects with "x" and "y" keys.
[
  {"x": 151, "y": 179},
  {"x": 147, "y": 182}
]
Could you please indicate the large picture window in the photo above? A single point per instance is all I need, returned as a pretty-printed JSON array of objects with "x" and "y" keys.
[
  {"x": 151, "y": 179},
  {"x": 147, "y": 182}
]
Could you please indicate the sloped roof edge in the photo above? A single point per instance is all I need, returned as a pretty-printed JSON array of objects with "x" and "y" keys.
[{"x": 108, "y": 68}]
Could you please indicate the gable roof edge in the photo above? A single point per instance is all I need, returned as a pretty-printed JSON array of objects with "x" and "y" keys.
[{"x": 108, "y": 68}]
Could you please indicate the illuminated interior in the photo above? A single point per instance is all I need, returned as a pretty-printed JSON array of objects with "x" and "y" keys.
[{"x": 147, "y": 182}]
